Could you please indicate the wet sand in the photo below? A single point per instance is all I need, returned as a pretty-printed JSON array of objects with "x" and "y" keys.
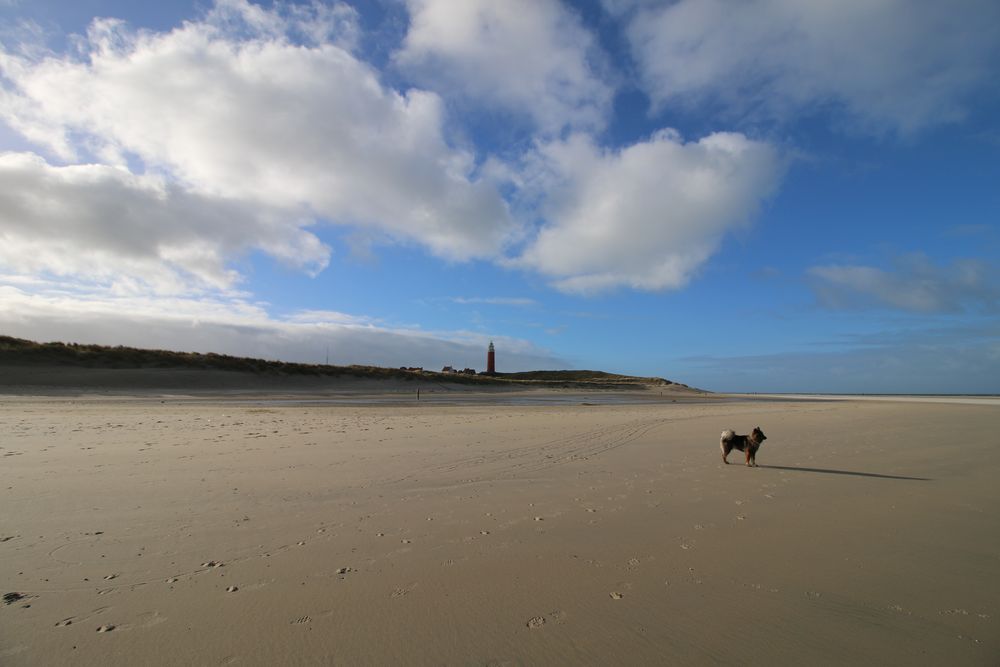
[{"x": 207, "y": 532}]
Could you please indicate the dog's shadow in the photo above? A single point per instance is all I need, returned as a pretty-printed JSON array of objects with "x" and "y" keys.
[{"x": 829, "y": 471}]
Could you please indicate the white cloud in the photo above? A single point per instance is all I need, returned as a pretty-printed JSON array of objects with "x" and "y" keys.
[
  {"x": 532, "y": 57},
  {"x": 231, "y": 107},
  {"x": 890, "y": 64},
  {"x": 329, "y": 317},
  {"x": 232, "y": 326},
  {"x": 915, "y": 284},
  {"x": 247, "y": 127},
  {"x": 310, "y": 22},
  {"x": 646, "y": 216},
  {"x": 138, "y": 232}
]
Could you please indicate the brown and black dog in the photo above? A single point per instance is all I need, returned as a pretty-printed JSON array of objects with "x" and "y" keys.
[{"x": 745, "y": 443}]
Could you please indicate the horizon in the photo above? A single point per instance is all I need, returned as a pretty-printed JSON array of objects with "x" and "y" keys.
[
  {"x": 537, "y": 370},
  {"x": 795, "y": 203}
]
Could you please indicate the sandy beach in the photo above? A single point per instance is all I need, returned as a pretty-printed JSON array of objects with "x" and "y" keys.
[{"x": 205, "y": 531}]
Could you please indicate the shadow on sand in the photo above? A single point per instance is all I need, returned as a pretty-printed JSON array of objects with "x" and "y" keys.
[{"x": 846, "y": 472}]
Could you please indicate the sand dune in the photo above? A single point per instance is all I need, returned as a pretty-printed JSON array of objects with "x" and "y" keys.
[{"x": 210, "y": 533}]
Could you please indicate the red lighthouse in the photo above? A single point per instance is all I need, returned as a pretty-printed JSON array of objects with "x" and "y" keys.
[{"x": 491, "y": 361}]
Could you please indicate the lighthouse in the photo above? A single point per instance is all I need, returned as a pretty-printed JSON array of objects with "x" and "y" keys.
[{"x": 491, "y": 361}]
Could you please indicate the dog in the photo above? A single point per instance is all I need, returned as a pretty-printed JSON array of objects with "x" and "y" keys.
[{"x": 745, "y": 443}]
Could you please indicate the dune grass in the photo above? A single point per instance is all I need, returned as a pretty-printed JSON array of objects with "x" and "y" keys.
[{"x": 20, "y": 352}]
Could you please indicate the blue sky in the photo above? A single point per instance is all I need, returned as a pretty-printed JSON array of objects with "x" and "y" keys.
[{"x": 740, "y": 196}]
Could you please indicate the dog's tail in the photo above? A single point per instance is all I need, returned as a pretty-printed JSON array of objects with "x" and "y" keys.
[{"x": 728, "y": 434}]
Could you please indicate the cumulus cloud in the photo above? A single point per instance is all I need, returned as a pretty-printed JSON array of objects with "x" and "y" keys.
[
  {"x": 915, "y": 284},
  {"x": 242, "y": 328},
  {"x": 889, "y": 64},
  {"x": 531, "y": 57},
  {"x": 137, "y": 232},
  {"x": 249, "y": 126},
  {"x": 266, "y": 107},
  {"x": 646, "y": 216}
]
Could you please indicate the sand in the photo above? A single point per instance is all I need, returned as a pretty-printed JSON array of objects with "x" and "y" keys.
[{"x": 215, "y": 532}]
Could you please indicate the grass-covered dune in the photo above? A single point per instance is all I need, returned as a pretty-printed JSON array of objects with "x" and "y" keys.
[
  {"x": 21, "y": 352},
  {"x": 582, "y": 376}
]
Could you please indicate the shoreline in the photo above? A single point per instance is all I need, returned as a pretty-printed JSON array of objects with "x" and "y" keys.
[
  {"x": 511, "y": 398},
  {"x": 447, "y": 396},
  {"x": 956, "y": 399}
]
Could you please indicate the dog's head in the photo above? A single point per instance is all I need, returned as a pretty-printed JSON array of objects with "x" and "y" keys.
[{"x": 758, "y": 435}]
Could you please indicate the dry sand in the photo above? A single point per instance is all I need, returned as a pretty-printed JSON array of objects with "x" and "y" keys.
[{"x": 214, "y": 532}]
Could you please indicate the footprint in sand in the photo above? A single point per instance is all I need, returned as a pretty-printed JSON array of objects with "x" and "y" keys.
[
  {"x": 535, "y": 622},
  {"x": 615, "y": 595},
  {"x": 69, "y": 620},
  {"x": 150, "y": 618},
  {"x": 106, "y": 628},
  {"x": 11, "y": 598},
  {"x": 401, "y": 591},
  {"x": 557, "y": 616},
  {"x": 301, "y": 620}
]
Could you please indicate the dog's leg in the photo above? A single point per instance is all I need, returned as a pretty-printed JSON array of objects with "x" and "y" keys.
[
  {"x": 749, "y": 455},
  {"x": 726, "y": 448}
]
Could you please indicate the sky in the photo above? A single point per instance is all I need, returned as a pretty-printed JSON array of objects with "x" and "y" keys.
[{"x": 763, "y": 195}]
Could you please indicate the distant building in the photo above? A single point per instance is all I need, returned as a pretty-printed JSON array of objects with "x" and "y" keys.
[
  {"x": 448, "y": 369},
  {"x": 491, "y": 361}
]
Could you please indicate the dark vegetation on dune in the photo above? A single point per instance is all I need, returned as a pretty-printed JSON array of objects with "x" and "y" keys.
[
  {"x": 21, "y": 352},
  {"x": 580, "y": 376}
]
